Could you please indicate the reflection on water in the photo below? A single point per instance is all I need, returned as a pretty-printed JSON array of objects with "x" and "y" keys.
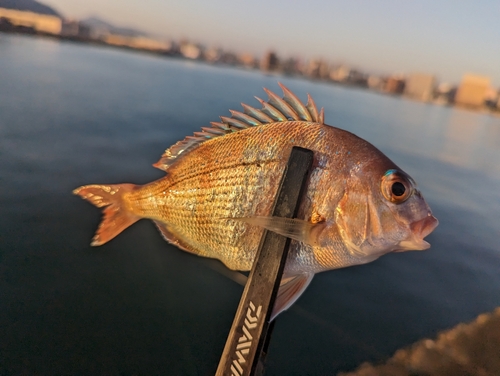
[
  {"x": 472, "y": 141},
  {"x": 75, "y": 114}
]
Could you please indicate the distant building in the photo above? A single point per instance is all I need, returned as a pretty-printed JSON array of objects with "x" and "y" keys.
[
  {"x": 142, "y": 43},
  {"x": 375, "y": 83},
  {"x": 312, "y": 68},
  {"x": 341, "y": 73},
  {"x": 229, "y": 58},
  {"x": 269, "y": 62},
  {"x": 98, "y": 32},
  {"x": 472, "y": 90},
  {"x": 324, "y": 70},
  {"x": 247, "y": 60},
  {"x": 420, "y": 86},
  {"x": 69, "y": 28},
  {"x": 43, "y": 23},
  {"x": 293, "y": 66},
  {"x": 212, "y": 54},
  {"x": 491, "y": 98},
  {"x": 358, "y": 78},
  {"x": 317, "y": 68},
  {"x": 445, "y": 94},
  {"x": 395, "y": 85},
  {"x": 190, "y": 50},
  {"x": 74, "y": 28}
]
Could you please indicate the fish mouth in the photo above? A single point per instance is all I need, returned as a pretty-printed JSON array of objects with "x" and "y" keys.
[{"x": 419, "y": 230}]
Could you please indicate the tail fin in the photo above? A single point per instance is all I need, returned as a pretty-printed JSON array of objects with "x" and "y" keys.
[{"x": 116, "y": 216}]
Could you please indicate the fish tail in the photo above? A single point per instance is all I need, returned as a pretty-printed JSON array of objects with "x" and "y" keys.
[{"x": 116, "y": 214}]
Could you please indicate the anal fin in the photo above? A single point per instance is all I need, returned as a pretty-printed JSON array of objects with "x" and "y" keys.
[
  {"x": 290, "y": 290},
  {"x": 172, "y": 239}
]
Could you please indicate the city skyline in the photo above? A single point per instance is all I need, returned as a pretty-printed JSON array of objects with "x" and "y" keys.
[{"x": 444, "y": 38}]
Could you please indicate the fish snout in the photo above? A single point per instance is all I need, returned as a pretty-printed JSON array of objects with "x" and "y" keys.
[
  {"x": 424, "y": 226},
  {"x": 419, "y": 230}
]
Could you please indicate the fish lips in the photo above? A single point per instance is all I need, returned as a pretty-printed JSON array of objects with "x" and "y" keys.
[{"x": 419, "y": 230}]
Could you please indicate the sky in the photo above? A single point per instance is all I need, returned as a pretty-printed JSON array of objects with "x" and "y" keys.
[{"x": 447, "y": 38}]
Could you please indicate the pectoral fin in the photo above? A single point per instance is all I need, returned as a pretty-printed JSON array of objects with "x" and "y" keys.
[
  {"x": 293, "y": 228},
  {"x": 290, "y": 290}
]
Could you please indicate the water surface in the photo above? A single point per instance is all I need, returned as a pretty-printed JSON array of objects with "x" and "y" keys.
[{"x": 74, "y": 114}]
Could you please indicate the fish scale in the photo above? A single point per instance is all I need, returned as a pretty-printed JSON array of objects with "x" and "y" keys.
[
  {"x": 217, "y": 196},
  {"x": 240, "y": 185}
]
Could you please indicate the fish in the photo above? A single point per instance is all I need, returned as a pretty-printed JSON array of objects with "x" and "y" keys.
[{"x": 217, "y": 196}]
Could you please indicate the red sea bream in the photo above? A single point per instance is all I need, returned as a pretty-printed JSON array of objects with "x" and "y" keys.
[{"x": 217, "y": 195}]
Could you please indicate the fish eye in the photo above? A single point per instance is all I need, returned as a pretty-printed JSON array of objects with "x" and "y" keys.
[
  {"x": 398, "y": 189},
  {"x": 396, "y": 186}
]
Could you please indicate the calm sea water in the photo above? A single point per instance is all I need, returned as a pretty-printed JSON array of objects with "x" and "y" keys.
[{"x": 74, "y": 114}]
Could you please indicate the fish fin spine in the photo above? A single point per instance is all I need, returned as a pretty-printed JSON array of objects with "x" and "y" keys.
[
  {"x": 276, "y": 109},
  {"x": 297, "y": 229},
  {"x": 116, "y": 216},
  {"x": 321, "y": 117},
  {"x": 173, "y": 239},
  {"x": 290, "y": 290}
]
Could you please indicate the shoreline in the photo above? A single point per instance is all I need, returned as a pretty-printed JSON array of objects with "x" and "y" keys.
[{"x": 177, "y": 55}]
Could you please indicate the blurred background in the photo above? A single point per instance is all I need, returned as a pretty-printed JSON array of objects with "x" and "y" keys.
[{"x": 95, "y": 91}]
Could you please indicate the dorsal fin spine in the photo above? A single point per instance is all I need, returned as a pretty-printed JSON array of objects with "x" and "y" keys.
[
  {"x": 295, "y": 103},
  {"x": 203, "y": 135},
  {"x": 214, "y": 131},
  {"x": 245, "y": 118},
  {"x": 270, "y": 110},
  {"x": 234, "y": 123},
  {"x": 311, "y": 106},
  {"x": 258, "y": 114},
  {"x": 281, "y": 105},
  {"x": 321, "y": 117},
  {"x": 275, "y": 110},
  {"x": 222, "y": 126}
]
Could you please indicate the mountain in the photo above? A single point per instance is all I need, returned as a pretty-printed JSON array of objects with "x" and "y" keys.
[
  {"x": 29, "y": 5},
  {"x": 97, "y": 23}
]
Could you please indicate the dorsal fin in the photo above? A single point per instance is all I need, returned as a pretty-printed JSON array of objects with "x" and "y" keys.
[{"x": 276, "y": 109}]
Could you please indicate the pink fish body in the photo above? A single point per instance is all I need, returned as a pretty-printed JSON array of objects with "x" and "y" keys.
[{"x": 217, "y": 196}]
